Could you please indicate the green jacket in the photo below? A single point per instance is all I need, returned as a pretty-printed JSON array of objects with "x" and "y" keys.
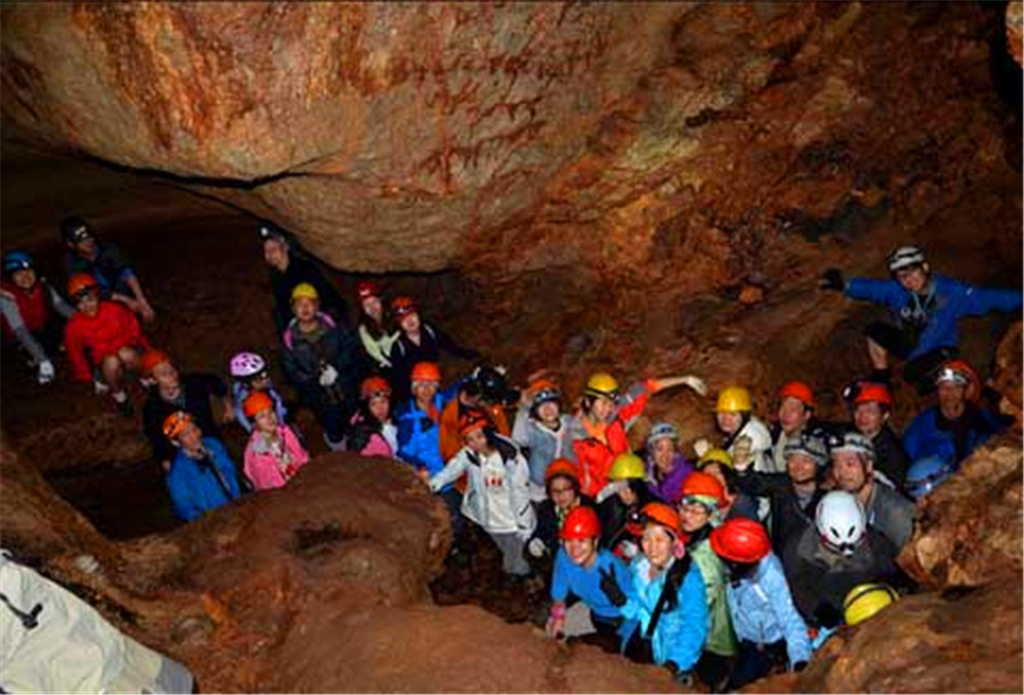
[{"x": 721, "y": 639}]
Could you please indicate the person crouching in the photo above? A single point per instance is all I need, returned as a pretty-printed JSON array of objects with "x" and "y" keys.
[{"x": 273, "y": 455}]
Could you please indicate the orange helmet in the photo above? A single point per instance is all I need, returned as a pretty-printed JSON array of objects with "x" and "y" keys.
[
  {"x": 800, "y": 391},
  {"x": 876, "y": 393},
  {"x": 663, "y": 515},
  {"x": 374, "y": 386},
  {"x": 582, "y": 522},
  {"x": 473, "y": 420},
  {"x": 80, "y": 283},
  {"x": 402, "y": 306},
  {"x": 703, "y": 488},
  {"x": 256, "y": 402},
  {"x": 426, "y": 371},
  {"x": 176, "y": 423},
  {"x": 151, "y": 358},
  {"x": 563, "y": 467}
]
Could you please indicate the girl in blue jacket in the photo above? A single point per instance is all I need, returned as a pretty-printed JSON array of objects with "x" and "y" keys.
[
  {"x": 764, "y": 618},
  {"x": 667, "y": 614}
]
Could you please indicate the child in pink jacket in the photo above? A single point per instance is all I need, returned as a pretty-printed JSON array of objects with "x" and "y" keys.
[{"x": 274, "y": 454}]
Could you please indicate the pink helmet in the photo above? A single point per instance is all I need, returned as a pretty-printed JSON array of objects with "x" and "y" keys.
[{"x": 246, "y": 365}]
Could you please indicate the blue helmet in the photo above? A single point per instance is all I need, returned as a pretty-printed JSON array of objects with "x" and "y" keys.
[
  {"x": 927, "y": 474},
  {"x": 17, "y": 260}
]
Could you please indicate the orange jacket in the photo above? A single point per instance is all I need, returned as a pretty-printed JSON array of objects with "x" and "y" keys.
[
  {"x": 451, "y": 440},
  {"x": 597, "y": 447}
]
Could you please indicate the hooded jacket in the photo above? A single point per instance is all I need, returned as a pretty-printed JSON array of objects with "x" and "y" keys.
[
  {"x": 543, "y": 445},
  {"x": 268, "y": 466},
  {"x": 89, "y": 339},
  {"x": 670, "y": 488},
  {"x": 496, "y": 480}
]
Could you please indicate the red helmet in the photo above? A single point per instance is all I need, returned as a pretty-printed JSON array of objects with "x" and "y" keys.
[
  {"x": 151, "y": 358},
  {"x": 402, "y": 306},
  {"x": 426, "y": 371},
  {"x": 581, "y": 523},
  {"x": 741, "y": 540},
  {"x": 367, "y": 288},
  {"x": 800, "y": 391},
  {"x": 663, "y": 515},
  {"x": 256, "y": 402},
  {"x": 563, "y": 467},
  {"x": 79, "y": 283},
  {"x": 374, "y": 386},
  {"x": 873, "y": 393},
  {"x": 699, "y": 484},
  {"x": 473, "y": 420}
]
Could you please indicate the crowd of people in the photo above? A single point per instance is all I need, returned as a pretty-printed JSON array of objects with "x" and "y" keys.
[{"x": 725, "y": 568}]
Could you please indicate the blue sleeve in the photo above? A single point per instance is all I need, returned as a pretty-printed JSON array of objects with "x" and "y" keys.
[
  {"x": 887, "y": 292},
  {"x": 976, "y": 301},
  {"x": 560, "y": 578},
  {"x": 622, "y": 576},
  {"x": 686, "y": 627},
  {"x": 916, "y": 434},
  {"x": 798, "y": 642},
  {"x": 408, "y": 450},
  {"x": 182, "y": 499}
]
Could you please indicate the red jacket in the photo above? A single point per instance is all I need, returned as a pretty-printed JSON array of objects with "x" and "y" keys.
[
  {"x": 595, "y": 452},
  {"x": 91, "y": 338},
  {"x": 33, "y": 305}
]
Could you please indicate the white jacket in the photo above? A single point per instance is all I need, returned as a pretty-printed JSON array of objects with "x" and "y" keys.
[
  {"x": 497, "y": 495},
  {"x": 760, "y": 446}
]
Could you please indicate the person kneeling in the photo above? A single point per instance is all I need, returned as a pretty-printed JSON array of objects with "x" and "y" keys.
[
  {"x": 273, "y": 455},
  {"x": 497, "y": 495},
  {"x": 667, "y": 614}
]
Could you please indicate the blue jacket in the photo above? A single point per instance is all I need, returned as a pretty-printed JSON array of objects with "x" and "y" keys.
[
  {"x": 762, "y": 610},
  {"x": 585, "y": 584},
  {"x": 952, "y": 300},
  {"x": 924, "y": 438},
  {"x": 196, "y": 487},
  {"x": 681, "y": 632},
  {"x": 419, "y": 437}
]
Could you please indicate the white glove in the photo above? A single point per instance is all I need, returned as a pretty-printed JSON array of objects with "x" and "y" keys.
[
  {"x": 100, "y": 388},
  {"x": 742, "y": 452},
  {"x": 701, "y": 447},
  {"x": 695, "y": 383},
  {"x": 46, "y": 372},
  {"x": 536, "y": 547},
  {"x": 611, "y": 489},
  {"x": 629, "y": 549},
  {"x": 328, "y": 375}
]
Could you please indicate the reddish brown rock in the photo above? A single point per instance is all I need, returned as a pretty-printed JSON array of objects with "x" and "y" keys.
[
  {"x": 1008, "y": 376},
  {"x": 1015, "y": 30}
]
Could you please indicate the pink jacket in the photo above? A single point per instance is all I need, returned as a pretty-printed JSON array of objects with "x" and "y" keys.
[
  {"x": 267, "y": 468},
  {"x": 377, "y": 444}
]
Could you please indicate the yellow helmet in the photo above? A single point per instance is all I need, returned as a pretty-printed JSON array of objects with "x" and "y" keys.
[
  {"x": 715, "y": 456},
  {"x": 627, "y": 467},
  {"x": 865, "y": 600},
  {"x": 304, "y": 291},
  {"x": 733, "y": 399},
  {"x": 602, "y": 384}
]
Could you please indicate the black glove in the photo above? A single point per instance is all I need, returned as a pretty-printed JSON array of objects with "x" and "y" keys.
[
  {"x": 683, "y": 678},
  {"x": 799, "y": 666},
  {"x": 832, "y": 280},
  {"x": 611, "y": 588}
]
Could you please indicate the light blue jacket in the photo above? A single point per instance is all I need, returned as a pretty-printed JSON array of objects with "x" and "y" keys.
[
  {"x": 762, "y": 610},
  {"x": 681, "y": 632},
  {"x": 952, "y": 300}
]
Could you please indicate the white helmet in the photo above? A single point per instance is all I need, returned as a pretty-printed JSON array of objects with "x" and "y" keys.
[
  {"x": 852, "y": 441},
  {"x": 904, "y": 257},
  {"x": 662, "y": 430},
  {"x": 245, "y": 365},
  {"x": 840, "y": 521}
]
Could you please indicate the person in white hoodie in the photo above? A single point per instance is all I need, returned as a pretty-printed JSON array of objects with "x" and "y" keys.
[
  {"x": 745, "y": 437},
  {"x": 497, "y": 496},
  {"x": 544, "y": 431}
]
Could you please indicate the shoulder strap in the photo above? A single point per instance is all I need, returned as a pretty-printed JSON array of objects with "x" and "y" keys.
[{"x": 679, "y": 568}]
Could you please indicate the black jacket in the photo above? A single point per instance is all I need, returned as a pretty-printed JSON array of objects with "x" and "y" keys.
[
  {"x": 819, "y": 579},
  {"x": 890, "y": 457},
  {"x": 405, "y": 354},
  {"x": 197, "y": 390},
  {"x": 301, "y": 269},
  {"x": 614, "y": 514},
  {"x": 337, "y": 346},
  {"x": 789, "y": 518}
]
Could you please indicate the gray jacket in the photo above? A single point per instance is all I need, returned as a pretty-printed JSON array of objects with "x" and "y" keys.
[{"x": 891, "y": 514}]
